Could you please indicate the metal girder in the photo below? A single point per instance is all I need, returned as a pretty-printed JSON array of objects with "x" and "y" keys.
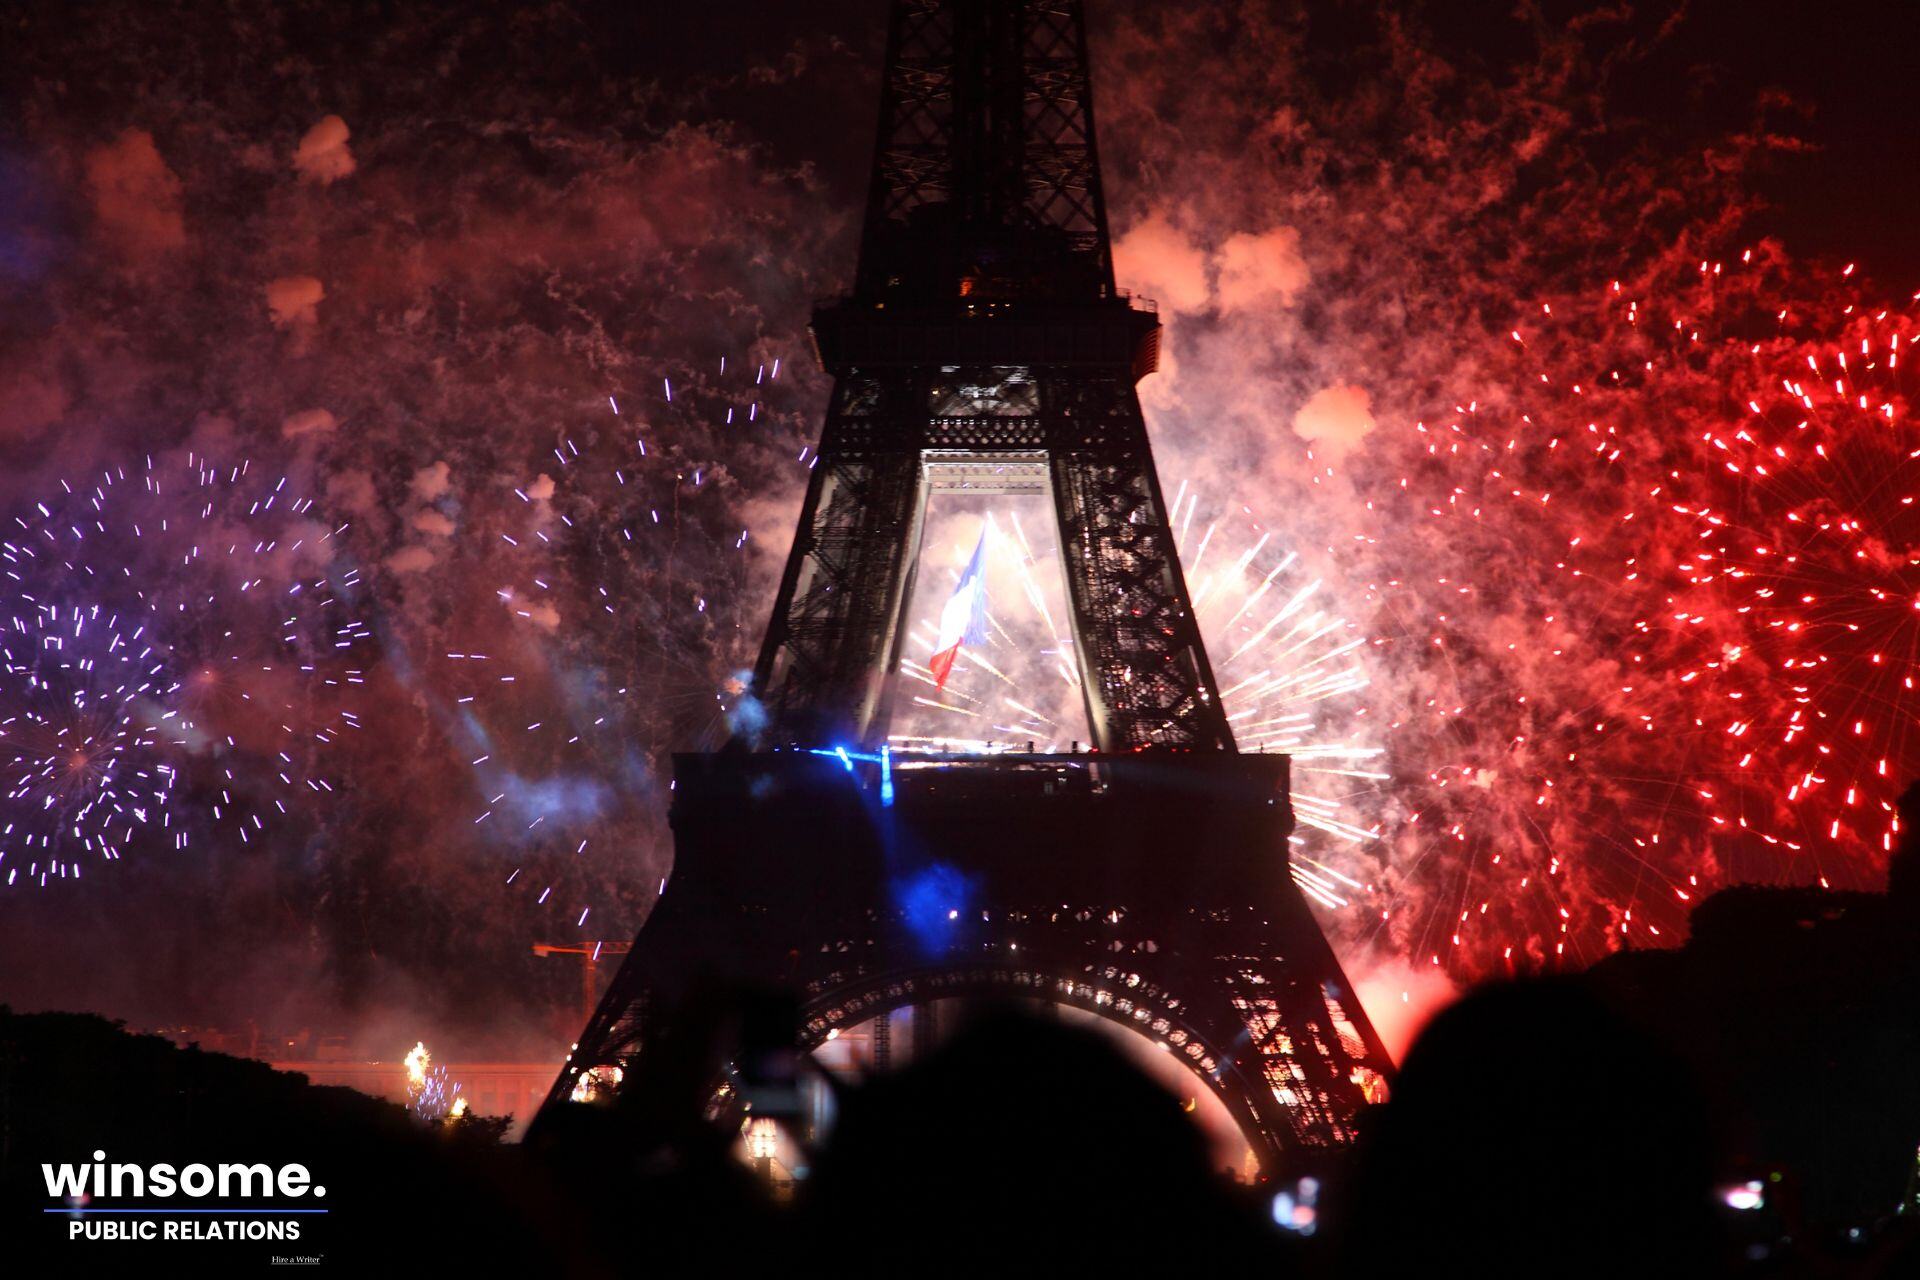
[
  {"x": 832, "y": 641},
  {"x": 985, "y": 176},
  {"x": 1148, "y": 679}
]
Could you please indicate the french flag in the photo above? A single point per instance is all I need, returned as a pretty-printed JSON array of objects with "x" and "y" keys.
[{"x": 964, "y": 619}]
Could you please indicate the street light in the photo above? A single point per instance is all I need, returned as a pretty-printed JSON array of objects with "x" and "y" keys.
[{"x": 763, "y": 1136}]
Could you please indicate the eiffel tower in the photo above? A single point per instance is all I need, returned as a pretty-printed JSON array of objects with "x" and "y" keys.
[{"x": 984, "y": 348}]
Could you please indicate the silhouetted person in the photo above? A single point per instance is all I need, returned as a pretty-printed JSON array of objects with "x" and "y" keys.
[
  {"x": 1022, "y": 1146},
  {"x": 651, "y": 1172},
  {"x": 1532, "y": 1132},
  {"x": 1903, "y": 868}
]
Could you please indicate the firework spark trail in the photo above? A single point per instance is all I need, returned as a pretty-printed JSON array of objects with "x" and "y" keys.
[
  {"x": 1671, "y": 642},
  {"x": 1808, "y": 538},
  {"x": 1292, "y": 679},
  {"x": 174, "y": 652},
  {"x": 624, "y": 586},
  {"x": 83, "y": 758},
  {"x": 1509, "y": 567}
]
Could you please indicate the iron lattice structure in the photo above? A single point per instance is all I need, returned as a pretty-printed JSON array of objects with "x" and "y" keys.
[
  {"x": 985, "y": 328},
  {"x": 985, "y": 347}
]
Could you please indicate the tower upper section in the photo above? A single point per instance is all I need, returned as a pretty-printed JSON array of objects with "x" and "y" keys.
[
  {"x": 985, "y": 202},
  {"x": 986, "y": 182}
]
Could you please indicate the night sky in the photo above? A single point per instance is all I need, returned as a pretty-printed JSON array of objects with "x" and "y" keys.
[{"x": 442, "y": 266}]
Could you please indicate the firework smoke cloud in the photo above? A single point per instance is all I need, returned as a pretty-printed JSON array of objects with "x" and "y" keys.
[{"x": 1547, "y": 504}]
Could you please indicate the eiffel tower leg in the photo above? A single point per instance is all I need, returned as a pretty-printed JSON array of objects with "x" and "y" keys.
[
  {"x": 1055, "y": 881},
  {"x": 1285, "y": 1095},
  {"x": 1144, "y": 668},
  {"x": 834, "y": 636}
]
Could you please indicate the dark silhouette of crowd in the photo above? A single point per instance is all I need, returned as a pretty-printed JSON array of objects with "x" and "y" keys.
[
  {"x": 1534, "y": 1130},
  {"x": 1745, "y": 1105}
]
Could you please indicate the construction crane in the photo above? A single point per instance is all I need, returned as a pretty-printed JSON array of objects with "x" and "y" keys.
[{"x": 589, "y": 953}]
